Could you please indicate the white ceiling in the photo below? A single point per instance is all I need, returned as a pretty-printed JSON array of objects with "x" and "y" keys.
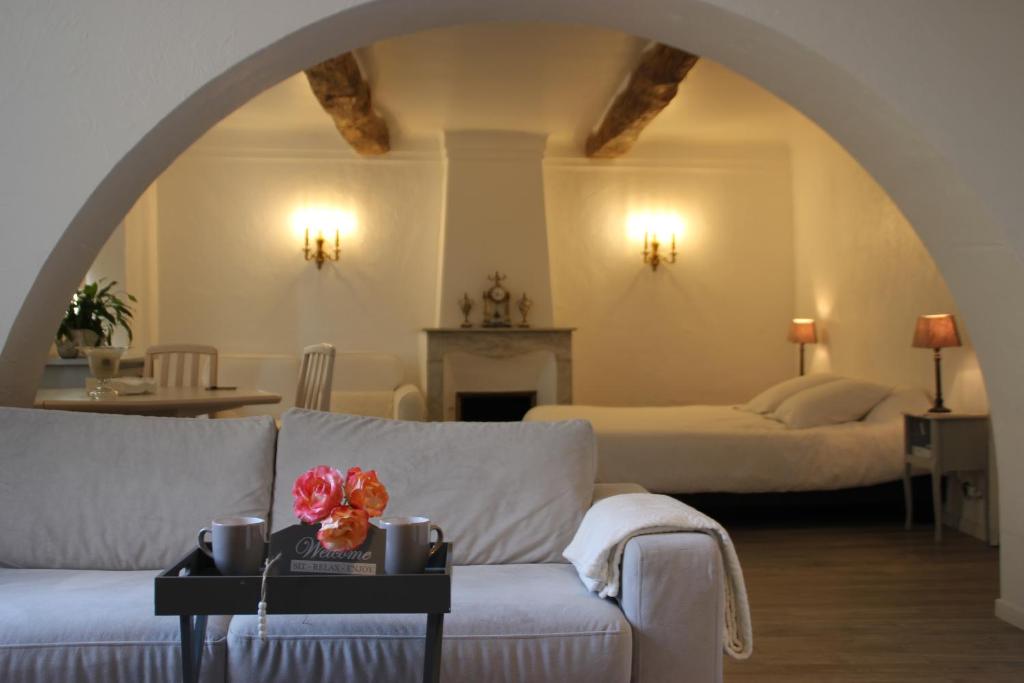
[{"x": 540, "y": 78}]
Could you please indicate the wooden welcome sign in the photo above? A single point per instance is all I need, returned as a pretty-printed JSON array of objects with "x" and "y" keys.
[{"x": 302, "y": 554}]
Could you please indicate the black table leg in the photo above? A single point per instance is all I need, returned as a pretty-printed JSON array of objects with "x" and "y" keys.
[
  {"x": 432, "y": 657},
  {"x": 193, "y": 641}
]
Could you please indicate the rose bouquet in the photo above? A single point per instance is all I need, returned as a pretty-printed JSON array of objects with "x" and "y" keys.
[{"x": 341, "y": 504}]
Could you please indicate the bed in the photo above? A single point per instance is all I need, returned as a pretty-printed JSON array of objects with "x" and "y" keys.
[{"x": 732, "y": 449}]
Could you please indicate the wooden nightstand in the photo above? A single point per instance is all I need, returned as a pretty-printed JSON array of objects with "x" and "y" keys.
[{"x": 941, "y": 443}]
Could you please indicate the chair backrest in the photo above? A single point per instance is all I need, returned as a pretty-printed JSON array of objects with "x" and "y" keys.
[
  {"x": 315, "y": 377},
  {"x": 162, "y": 358}
]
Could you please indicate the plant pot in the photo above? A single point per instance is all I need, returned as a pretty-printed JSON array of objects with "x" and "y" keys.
[
  {"x": 84, "y": 339},
  {"x": 66, "y": 348}
]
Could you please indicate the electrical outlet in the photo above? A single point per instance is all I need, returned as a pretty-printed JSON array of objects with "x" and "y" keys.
[{"x": 972, "y": 492}]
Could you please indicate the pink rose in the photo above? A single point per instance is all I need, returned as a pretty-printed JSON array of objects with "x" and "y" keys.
[
  {"x": 344, "y": 529},
  {"x": 317, "y": 492},
  {"x": 366, "y": 492}
]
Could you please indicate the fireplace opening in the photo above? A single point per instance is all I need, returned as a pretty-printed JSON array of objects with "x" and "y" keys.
[{"x": 493, "y": 406}]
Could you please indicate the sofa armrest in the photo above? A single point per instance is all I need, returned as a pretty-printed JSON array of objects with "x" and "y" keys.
[
  {"x": 409, "y": 404},
  {"x": 673, "y": 595}
]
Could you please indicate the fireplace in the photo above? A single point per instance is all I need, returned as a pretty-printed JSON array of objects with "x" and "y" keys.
[
  {"x": 489, "y": 362},
  {"x": 493, "y": 406}
]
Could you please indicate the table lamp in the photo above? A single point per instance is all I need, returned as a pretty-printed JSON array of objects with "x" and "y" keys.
[
  {"x": 937, "y": 332},
  {"x": 802, "y": 331}
]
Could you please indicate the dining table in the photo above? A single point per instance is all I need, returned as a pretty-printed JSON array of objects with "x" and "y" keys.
[{"x": 162, "y": 401}]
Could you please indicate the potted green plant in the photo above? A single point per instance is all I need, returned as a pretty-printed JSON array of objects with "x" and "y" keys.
[{"x": 92, "y": 316}]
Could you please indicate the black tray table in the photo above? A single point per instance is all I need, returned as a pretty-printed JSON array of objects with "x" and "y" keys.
[{"x": 204, "y": 591}]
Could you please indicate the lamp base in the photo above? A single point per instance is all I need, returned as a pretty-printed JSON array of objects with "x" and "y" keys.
[{"x": 938, "y": 406}]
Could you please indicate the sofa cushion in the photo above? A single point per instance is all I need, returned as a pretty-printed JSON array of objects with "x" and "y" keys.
[
  {"x": 502, "y": 492},
  {"x": 78, "y": 626},
  {"x": 86, "y": 491},
  {"x": 508, "y": 623}
]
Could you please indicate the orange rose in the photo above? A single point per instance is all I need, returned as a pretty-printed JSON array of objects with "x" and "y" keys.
[
  {"x": 366, "y": 492},
  {"x": 344, "y": 529}
]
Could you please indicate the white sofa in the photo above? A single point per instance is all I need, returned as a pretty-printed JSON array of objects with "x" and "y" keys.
[
  {"x": 372, "y": 384},
  {"x": 91, "y": 507}
]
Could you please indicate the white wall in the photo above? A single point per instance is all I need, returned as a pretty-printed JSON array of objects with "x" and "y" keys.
[
  {"x": 109, "y": 267},
  {"x": 225, "y": 268},
  {"x": 709, "y": 329},
  {"x": 864, "y": 275},
  {"x": 109, "y": 263},
  {"x": 129, "y": 257},
  {"x": 231, "y": 268},
  {"x": 494, "y": 220},
  {"x": 142, "y": 268},
  {"x": 66, "y": 181}
]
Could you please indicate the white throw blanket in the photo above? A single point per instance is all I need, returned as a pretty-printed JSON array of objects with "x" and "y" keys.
[{"x": 596, "y": 552}]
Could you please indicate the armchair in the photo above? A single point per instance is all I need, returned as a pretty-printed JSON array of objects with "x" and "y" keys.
[{"x": 372, "y": 385}]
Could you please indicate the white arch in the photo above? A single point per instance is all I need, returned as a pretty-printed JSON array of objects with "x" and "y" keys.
[{"x": 100, "y": 97}]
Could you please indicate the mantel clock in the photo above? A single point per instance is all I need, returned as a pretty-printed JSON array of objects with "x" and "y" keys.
[{"x": 496, "y": 303}]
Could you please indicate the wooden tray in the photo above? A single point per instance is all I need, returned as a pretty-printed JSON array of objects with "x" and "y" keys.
[{"x": 205, "y": 591}]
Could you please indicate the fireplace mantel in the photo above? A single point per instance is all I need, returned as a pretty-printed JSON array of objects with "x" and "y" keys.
[
  {"x": 496, "y": 330},
  {"x": 497, "y": 343}
]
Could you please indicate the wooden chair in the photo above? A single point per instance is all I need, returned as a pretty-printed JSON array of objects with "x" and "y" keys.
[
  {"x": 179, "y": 356},
  {"x": 315, "y": 377}
]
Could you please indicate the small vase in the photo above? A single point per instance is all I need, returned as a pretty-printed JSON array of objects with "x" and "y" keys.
[
  {"x": 66, "y": 348},
  {"x": 84, "y": 339},
  {"x": 466, "y": 305},
  {"x": 524, "y": 305}
]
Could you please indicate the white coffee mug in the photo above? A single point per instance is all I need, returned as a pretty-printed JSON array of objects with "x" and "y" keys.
[
  {"x": 407, "y": 543},
  {"x": 238, "y": 544}
]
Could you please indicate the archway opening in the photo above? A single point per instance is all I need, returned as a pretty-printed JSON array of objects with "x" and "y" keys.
[
  {"x": 781, "y": 223},
  {"x": 935, "y": 195}
]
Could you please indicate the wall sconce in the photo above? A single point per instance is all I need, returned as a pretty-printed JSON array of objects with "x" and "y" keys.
[
  {"x": 322, "y": 222},
  {"x": 319, "y": 254},
  {"x": 657, "y": 228},
  {"x": 803, "y": 331},
  {"x": 652, "y": 257}
]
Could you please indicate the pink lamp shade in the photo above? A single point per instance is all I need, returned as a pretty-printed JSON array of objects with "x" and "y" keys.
[
  {"x": 803, "y": 331},
  {"x": 936, "y": 331}
]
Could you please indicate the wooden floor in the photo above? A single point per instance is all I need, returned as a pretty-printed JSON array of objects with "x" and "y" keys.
[{"x": 842, "y": 602}]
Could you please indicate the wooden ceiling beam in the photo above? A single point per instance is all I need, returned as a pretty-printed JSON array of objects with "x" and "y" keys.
[
  {"x": 650, "y": 88},
  {"x": 343, "y": 92}
]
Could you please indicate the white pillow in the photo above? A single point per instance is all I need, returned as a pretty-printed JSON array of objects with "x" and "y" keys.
[
  {"x": 504, "y": 492},
  {"x": 901, "y": 400},
  {"x": 772, "y": 397},
  {"x": 844, "y": 400}
]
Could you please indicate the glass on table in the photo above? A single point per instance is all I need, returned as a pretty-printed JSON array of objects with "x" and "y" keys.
[{"x": 104, "y": 363}]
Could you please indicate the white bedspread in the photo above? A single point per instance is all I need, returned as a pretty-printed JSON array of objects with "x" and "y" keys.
[{"x": 698, "y": 449}]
